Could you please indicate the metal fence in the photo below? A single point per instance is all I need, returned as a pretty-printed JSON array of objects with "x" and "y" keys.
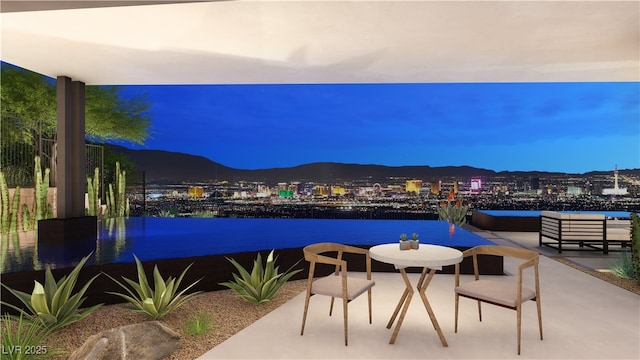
[{"x": 21, "y": 144}]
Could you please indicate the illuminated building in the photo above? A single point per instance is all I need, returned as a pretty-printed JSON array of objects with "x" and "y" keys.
[
  {"x": 338, "y": 190},
  {"x": 616, "y": 190},
  {"x": 240, "y": 195},
  {"x": 369, "y": 190},
  {"x": 320, "y": 190},
  {"x": 435, "y": 188},
  {"x": 394, "y": 189},
  {"x": 413, "y": 186},
  {"x": 306, "y": 188},
  {"x": 195, "y": 192},
  {"x": 574, "y": 190},
  {"x": 476, "y": 186},
  {"x": 285, "y": 193},
  {"x": 263, "y": 191}
]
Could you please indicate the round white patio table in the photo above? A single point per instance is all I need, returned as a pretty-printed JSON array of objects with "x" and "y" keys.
[{"x": 430, "y": 258}]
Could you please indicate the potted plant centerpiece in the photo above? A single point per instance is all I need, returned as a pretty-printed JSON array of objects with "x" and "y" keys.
[
  {"x": 404, "y": 243},
  {"x": 415, "y": 243}
]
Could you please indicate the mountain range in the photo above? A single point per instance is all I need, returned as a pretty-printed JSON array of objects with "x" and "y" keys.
[{"x": 162, "y": 166}]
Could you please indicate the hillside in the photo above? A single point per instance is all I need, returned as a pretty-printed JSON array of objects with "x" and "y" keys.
[{"x": 172, "y": 167}]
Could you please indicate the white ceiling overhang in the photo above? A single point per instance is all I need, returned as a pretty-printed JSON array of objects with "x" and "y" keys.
[{"x": 254, "y": 42}]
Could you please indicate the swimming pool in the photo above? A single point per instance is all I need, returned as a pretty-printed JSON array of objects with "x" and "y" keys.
[{"x": 151, "y": 238}]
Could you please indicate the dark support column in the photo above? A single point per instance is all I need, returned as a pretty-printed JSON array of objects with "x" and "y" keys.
[
  {"x": 71, "y": 149},
  {"x": 71, "y": 225},
  {"x": 78, "y": 152},
  {"x": 63, "y": 159}
]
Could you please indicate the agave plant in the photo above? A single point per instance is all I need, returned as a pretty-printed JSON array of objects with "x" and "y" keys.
[
  {"x": 203, "y": 214},
  {"x": 455, "y": 214},
  {"x": 262, "y": 284},
  {"x": 159, "y": 300},
  {"x": 52, "y": 305},
  {"x": 166, "y": 213}
]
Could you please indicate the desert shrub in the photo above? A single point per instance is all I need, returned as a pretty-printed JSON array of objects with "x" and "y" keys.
[
  {"x": 23, "y": 339},
  {"x": 158, "y": 301},
  {"x": 53, "y": 305},
  {"x": 199, "y": 324},
  {"x": 262, "y": 284}
]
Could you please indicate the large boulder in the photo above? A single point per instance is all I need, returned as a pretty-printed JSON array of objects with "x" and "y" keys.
[{"x": 145, "y": 341}]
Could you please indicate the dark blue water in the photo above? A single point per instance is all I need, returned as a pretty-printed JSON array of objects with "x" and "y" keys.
[
  {"x": 167, "y": 238},
  {"x": 535, "y": 213}
]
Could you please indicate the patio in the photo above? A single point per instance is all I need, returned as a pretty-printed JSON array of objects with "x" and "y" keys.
[{"x": 583, "y": 318}]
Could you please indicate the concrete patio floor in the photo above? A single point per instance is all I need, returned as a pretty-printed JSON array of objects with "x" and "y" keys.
[{"x": 583, "y": 318}]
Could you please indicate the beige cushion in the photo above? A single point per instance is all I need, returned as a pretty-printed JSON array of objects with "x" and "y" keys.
[
  {"x": 332, "y": 286},
  {"x": 495, "y": 291},
  {"x": 553, "y": 214},
  {"x": 619, "y": 224},
  {"x": 587, "y": 216},
  {"x": 619, "y": 234}
]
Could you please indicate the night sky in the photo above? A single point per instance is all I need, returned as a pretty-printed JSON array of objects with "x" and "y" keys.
[{"x": 567, "y": 127}]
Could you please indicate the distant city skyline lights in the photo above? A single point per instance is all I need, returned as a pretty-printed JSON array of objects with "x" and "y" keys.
[{"x": 565, "y": 127}]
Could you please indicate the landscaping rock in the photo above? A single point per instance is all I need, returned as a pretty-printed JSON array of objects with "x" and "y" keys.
[{"x": 145, "y": 341}]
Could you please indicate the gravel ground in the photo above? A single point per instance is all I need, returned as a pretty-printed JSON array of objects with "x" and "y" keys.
[
  {"x": 228, "y": 312},
  {"x": 229, "y": 315}
]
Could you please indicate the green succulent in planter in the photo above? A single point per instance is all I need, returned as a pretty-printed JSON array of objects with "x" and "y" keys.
[
  {"x": 414, "y": 236},
  {"x": 405, "y": 244},
  {"x": 453, "y": 211}
]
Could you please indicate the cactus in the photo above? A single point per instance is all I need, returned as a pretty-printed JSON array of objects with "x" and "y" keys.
[
  {"x": 41, "y": 209},
  {"x": 635, "y": 245},
  {"x": 13, "y": 222},
  {"x": 9, "y": 208},
  {"x": 26, "y": 218},
  {"x": 119, "y": 190},
  {"x": 93, "y": 189},
  {"x": 117, "y": 204},
  {"x": 4, "y": 206}
]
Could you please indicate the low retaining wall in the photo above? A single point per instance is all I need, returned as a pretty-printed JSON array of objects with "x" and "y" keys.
[
  {"x": 213, "y": 270},
  {"x": 505, "y": 223}
]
